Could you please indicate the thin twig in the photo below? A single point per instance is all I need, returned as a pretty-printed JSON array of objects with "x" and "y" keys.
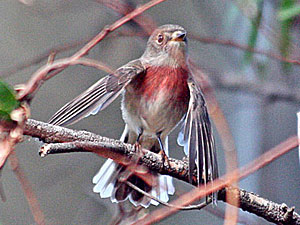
[
  {"x": 83, "y": 51},
  {"x": 123, "y": 8},
  {"x": 217, "y": 115},
  {"x": 115, "y": 149},
  {"x": 41, "y": 57},
  {"x": 58, "y": 49},
  {"x": 245, "y": 219},
  {"x": 32, "y": 200},
  {"x": 37, "y": 78},
  {"x": 230, "y": 43},
  {"x": 2, "y": 193},
  {"x": 226, "y": 180}
]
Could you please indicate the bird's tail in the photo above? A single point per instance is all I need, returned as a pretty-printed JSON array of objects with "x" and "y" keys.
[{"x": 109, "y": 182}]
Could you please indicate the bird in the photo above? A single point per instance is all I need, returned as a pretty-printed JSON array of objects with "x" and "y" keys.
[{"x": 159, "y": 92}]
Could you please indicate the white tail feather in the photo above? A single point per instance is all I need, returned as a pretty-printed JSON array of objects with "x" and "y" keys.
[{"x": 104, "y": 184}]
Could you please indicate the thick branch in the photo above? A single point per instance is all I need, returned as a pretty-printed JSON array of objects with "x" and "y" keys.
[
  {"x": 105, "y": 147},
  {"x": 82, "y": 140},
  {"x": 271, "y": 211}
]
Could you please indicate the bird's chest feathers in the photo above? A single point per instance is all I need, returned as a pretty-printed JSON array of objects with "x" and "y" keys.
[
  {"x": 156, "y": 100},
  {"x": 159, "y": 85}
]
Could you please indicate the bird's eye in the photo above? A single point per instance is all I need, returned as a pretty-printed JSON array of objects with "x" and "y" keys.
[{"x": 160, "y": 38}]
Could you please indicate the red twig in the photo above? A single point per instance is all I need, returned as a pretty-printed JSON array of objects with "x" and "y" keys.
[
  {"x": 225, "y": 180},
  {"x": 44, "y": 55},
  {"x": 41, "y": 75},
  {"x": 144, "y": 21},
  {"x": 26, "y": 2},
  {"x": 208, "y": 40},
  {"x": 215, "y": 111},
  {"x": 230, "y": 43},
  {"x": 11, "y": 132},
  {"x": 115, "y": 26},
  {"x": 242, "y": 219},
  {"x": 32, "y": 200},
  {"x": 38, "y": 78}
]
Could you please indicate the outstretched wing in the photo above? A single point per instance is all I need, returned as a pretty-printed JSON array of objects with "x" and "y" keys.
[
  {"x": 197, "y": 138},
  {"x": 98, "y": 96}
]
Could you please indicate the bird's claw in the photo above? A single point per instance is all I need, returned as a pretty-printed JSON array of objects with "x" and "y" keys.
[
  {"x": 138, "y": 149},
  {"x": 165, "y": 158}
]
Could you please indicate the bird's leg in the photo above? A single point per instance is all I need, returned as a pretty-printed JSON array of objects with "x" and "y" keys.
[
  {"x": 137, "y": 143},
  {"x": 162, "y": 150},
  {"x": 134, "y": 161},
  {"x": 140, "y": 154}
]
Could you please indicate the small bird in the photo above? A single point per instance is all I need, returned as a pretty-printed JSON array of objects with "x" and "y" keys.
[{"x": 158, "y": 93}]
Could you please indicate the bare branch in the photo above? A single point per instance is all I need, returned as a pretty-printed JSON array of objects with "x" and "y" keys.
[
  {"x": 123, "y": 8},
  {"x": 266, "y": 209},
  {"x": 179, "y": 169},
  {"x": 32, "y": 200},
  {"x": 233, "y": 44},
  {"x": 226, "y": 180},
  {"x": 37, "y": 79},
  {"x": 231, "y": 213},
  {"x": 11, "y": 132}
]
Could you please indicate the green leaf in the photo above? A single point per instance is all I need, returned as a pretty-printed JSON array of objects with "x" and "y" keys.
[
  {"x": 8, "y": 101},
  {"x": 285, "y": 38},
  {"x": 286, "y": 14},
  {"x": 252, "y": 40}
]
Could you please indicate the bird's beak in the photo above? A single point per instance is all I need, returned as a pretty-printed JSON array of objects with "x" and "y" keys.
[{"x": 179, "y": 35}]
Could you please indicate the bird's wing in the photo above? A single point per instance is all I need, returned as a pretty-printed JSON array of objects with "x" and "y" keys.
[
  {"x": 197, "y": 138},
  {"x": 98, "y": 96}
]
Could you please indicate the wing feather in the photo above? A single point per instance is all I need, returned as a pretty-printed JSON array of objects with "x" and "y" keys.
[
  {"x": 197, "y": 138},
  {"x": 98, "y": 96}
]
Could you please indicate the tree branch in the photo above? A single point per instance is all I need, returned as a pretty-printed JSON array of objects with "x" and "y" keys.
[
  {"x": 236, "y": 45},
  {"x": 271, "y": 211},
  {"x": 32, "y": 200},
  {"x": 119, "y": 151},
  {"x": 57, "y": 66}
]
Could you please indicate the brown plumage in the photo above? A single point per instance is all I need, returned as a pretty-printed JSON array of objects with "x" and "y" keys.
[{"x": 159, "y": 92}]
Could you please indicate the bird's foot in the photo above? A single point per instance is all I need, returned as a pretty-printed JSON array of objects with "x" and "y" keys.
[
  {"x": 138, "y": 149},
  {"x": 165, "y": 158}
]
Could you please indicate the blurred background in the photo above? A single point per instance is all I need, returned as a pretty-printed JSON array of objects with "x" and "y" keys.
[{"x": 258, "y": 94}]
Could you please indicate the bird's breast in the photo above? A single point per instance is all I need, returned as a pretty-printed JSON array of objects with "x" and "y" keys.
[{"x": 156, "y": 100}]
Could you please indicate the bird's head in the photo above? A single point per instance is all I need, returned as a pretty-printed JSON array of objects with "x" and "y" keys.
[{"x": 167, "y": 46}]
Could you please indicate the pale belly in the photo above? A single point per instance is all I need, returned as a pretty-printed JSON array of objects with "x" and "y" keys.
[{"x": 156, "y": 115}]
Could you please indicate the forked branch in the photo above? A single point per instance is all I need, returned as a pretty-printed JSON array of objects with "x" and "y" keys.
[{"x": 78, "y": 141}]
